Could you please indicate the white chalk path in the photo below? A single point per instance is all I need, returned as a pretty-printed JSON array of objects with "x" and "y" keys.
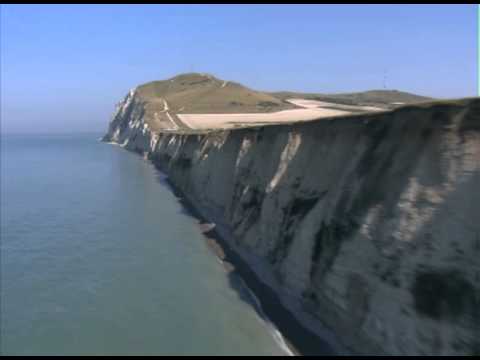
[
  {"x": 165, "y": 105},
  {"x": 176, "y": 122}
]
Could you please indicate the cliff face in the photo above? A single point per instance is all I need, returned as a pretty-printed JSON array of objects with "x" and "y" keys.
[{"x": 367, "y": 224}]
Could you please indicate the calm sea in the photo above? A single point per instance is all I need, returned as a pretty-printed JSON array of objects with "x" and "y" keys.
[{"x": 98, "y": 257}]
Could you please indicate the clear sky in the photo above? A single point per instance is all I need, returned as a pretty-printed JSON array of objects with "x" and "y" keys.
[{"x": 63, "y": 68}]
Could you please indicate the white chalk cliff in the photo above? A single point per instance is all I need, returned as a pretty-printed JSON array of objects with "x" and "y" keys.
[{"x": 368, "y": 225}]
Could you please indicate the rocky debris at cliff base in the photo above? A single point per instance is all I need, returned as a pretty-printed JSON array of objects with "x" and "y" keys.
[{"x": 216, "y": 248}]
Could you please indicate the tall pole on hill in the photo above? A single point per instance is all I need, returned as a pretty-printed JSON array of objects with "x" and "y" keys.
[{"x": 384, "y": 79}]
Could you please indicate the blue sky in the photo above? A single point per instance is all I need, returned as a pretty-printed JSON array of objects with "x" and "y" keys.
[{"x": 63, "y": 68}]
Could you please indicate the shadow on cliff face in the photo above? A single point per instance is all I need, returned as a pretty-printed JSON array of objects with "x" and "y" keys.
[
  {"x": 448, "y": 292},
  {"x": 253, "y": 291},
  {"x": 372, "y": 171},
  {"x": 443, "y": 246},
  {"x": 266, "y": 162},
  {"x": 185, "y": 209},
  {"x": 266, "y": 303}
]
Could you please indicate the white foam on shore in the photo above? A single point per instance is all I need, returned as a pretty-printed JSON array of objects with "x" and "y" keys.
[
  {"x": 112, "y": 143},
  {"x": 277, "y": 335}
]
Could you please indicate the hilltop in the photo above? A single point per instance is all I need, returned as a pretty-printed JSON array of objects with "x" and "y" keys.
[{"x": 197, "y": 93}]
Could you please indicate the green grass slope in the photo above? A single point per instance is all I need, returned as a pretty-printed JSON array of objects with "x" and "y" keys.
[
  {"x": 382, "y": 98},
  {"x": 195, "y": 93}
]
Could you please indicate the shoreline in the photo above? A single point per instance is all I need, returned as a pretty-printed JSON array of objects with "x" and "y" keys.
[
  {"x": 298, "y": 339},
  {"x": 244, "y": 290}
]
